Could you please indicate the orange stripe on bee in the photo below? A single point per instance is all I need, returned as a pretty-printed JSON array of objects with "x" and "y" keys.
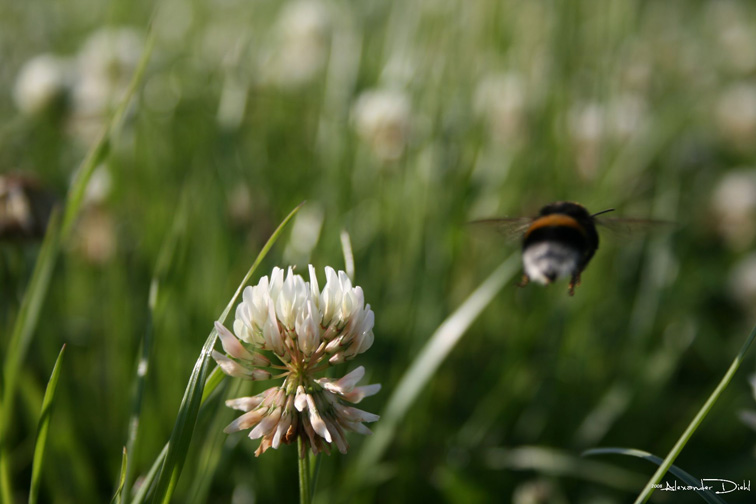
[{"x": 555, "y": 220}]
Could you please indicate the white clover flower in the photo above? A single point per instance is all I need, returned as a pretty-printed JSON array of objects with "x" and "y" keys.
[
  {"x": 586, "y": 128},
  {"x": 733, "y": 206},
  {"x": 382, "y": 120},
  {"x": 42, "y": 83},
  {"x": 736, "y": 114},
  {"x": 742, "y": 282},
  {"x": 307, "y": 330},
  {"x": 302, "y": 44},
  {"x": 105, "y": 66},
  {"x": 500, "y": 99}
]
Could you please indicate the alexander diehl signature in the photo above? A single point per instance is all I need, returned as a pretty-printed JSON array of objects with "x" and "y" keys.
[{"x": 716, "y": 485}]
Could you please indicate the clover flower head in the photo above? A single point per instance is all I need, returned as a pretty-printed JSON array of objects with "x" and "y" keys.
[{"x": 307, "y": 331}]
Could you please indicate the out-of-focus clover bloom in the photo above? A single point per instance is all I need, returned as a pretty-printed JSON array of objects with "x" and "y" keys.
[
  {"x": 42, "y": 84},
  {"x": 735, "y": 115},
  {"x": 302, "y": 44},
  {"x": 733, "y": 206},
  {"x": 501, "y": 101},
  {"x": 382, "y": 120},
  {"x": 307, "y": 330},
  {"x": 105, "y": 67}
]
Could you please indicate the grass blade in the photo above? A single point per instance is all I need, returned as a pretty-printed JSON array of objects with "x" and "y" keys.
[
  {"x": 43, "y": 428},
  {"x": 121, "y": 479},
  {"x": 99, "y": 150},
  {"x": 164, "y": 261},
  {"x": 553, "y": 462},
  {"x": 427, "y": 363},
  {"x": 21, "y": 339},
  {"x": 672, "y": 455},
  {"x": 147, "y": 484},
  {"x": 37, "y": 290},
  {"x": 181, "y": 437},
  {"x": 706, "y": 495}
]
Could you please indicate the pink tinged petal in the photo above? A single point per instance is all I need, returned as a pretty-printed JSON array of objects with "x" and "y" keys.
[
  {"x": 317, "y": 422},
  {"x": 351, "y": 414},
  {"x": 266, "y": 425},
  {"x": 310, "y": 433},
  {"x": 330, "y": 333},
  {"x": 245, "y": 421},
  {"x": 359, "y": 393},
  {"x": 231, "y": 345},
  {"x": 283, "y": 426},
  {"x": 337, "y": 358},
  {"x": 334, "y": 345},
  {"x": 351, "y": 350},
  {"x": 300, "y": 401},
  {"x": 338, "y": 438},
  {"x": 245, "y": 403},
  {"x": 236, "y": 370},
  {"x": 347, "y": 382},
  {"x": 357, "y": 427}
]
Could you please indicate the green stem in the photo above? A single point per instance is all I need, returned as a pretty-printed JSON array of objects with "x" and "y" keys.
[
  {"x": 304, "y": 473},
  {"x": 669, "y": 460}
]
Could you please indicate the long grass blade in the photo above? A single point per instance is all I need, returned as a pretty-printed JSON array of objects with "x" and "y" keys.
[
  {"x": 164, "y": 261},
  {"x": 554, "y": 462},
  {"x": 121, "y": 479},
  {"x": 672, "y": 455},
  {"x": 690, "y": 480},
  {"x": 181, "y": 437},
  {"x": 56, "y": 234},
  {"x": 427, "y": 363},
  {"x": 43, "y": 428},
  {"x": 20, "y": 340}
]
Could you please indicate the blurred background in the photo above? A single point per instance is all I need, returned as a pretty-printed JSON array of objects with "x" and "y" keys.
[{"x": 398, "y": 122}]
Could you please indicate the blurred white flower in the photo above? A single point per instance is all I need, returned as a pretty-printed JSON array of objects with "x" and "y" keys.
[
  {"x": 500, "y": 101},
  {"x": 734, "y": 208},
  {"x": 95, "y": 237},
  {"x": 105, "y": 66},
  {"x": 742, "y": 282},
  {"x": 734, "y": 36},
  {"x": 382, "y": 120},
  {"x": 302, "y": 44},
  {"x": 42, "y": 84},
  {"x": 586, "y": 124},
  {"x": 307, "y": 330},
  {"x": 627, "y": 116},
  {"x": 736, "y": 114}
]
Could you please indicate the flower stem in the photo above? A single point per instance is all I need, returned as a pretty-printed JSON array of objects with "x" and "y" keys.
[{"x": 304, "y": 473}]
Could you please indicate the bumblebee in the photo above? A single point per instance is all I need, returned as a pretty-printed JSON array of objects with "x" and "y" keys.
[{"x": 559, "y": 242}]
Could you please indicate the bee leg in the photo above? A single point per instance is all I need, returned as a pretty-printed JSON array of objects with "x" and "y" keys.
[
  {"x": 524, "y": 281},
  {"x": 574, "y": 282}
]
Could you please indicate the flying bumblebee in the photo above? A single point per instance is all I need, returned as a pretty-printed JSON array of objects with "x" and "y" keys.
[{"x": 560, "y": 241}]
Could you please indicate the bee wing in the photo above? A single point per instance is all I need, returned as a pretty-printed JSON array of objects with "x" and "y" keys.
[
  {"x": 630, "y": 226},
  {"x": 511, "y": 228}
]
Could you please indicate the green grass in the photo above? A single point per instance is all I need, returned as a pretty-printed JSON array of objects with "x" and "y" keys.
[{"x": 218, "y": 147}]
